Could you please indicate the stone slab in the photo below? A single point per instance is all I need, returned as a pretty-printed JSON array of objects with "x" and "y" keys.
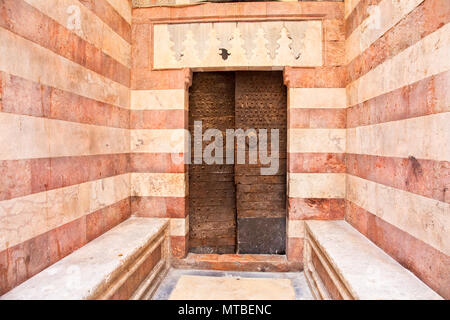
[
  {"x": 232, "y": 288},
  {"x": 79, "y": 275},
  {"x": 366, "y": 271}
]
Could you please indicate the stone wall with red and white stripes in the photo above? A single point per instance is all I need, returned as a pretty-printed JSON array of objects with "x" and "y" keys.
[
  {"x": 91, "y": 133},
  {"x": 64, "y": 119},
  {"x": 159, "y": 103},
  {"x": 398, "y": 131}
]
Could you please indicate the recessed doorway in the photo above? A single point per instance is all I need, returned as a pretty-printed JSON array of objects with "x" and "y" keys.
[{"x": 234, "y": 208}]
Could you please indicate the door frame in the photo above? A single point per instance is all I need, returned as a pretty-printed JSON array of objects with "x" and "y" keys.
[{"x": 294, "y": 227}]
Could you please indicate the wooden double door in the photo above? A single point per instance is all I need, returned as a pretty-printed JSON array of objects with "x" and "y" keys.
[{"x": 233, "y": 207}]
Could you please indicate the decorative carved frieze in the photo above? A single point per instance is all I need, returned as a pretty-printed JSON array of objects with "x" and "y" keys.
[{"x": 238, "y": 44}]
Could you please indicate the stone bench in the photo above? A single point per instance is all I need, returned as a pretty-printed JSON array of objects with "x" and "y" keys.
[
  {"x": 340, "y": 263},
  {"x": 127, "y": 262}
]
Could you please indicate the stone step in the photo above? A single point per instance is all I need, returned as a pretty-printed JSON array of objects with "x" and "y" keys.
[
  {"x": 340, "y": 263},
  {"x": 237, "y": 262},
  {"x": 124, "y": 263}
]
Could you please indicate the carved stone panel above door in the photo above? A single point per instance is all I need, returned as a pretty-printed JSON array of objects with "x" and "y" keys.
[{"x": 238, "y": 44}]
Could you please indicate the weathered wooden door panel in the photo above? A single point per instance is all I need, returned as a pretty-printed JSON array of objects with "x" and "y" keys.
[
  {"x": 261, "y": 199},
  {"x": 212, "y": 196}
]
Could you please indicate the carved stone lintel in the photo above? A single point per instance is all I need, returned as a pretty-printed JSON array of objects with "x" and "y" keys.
[{"x": 238, "y": 44}]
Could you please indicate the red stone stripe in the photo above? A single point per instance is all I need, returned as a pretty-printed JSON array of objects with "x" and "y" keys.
[
  {"x": 317, "y": 209},
  {"x": 425, "y": 97},
  {"x": 159, "y": 119},
  {"x": 334, "y": 53},
  {"x": 316, "y": 162},
  {"x": 427, "y": 263},
  {"x": 27, "y": 176},
  {"x": 147, "y": 79},
  {"x": 157, "y": 162},
  {"x": 25, "y": 97},
  {"x": 428, "y": 178},
  {"x": 294, "y": 249},
  {"x": 358, "y": 15},
  {"x": 334, "y": 30},
  {"x": 241, "y": 11},
  {"x": 317, "y": 118},
  {"x": 23, "y": 177},
  {"x": 1, "y": 90},
  {"x": 319, "y": 77},
  {"x": 104, "y": 219},
  {"x": 141, "y": 44},
  {"x": 23, "y": 261},
  {"x": 28, "y": 258},
  {"x": 65, "y": 239},
  {"x": 422, "y": 21},
  {"x": 24, "y": 20},
  {"x": 160, "y": 207},
  {"x": 110, "y": 16},
  {"x": 179, "y": 246}
]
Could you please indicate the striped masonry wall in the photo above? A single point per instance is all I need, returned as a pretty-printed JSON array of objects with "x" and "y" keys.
[
  {"x": 158, "y": 123},
  {"x": 159, "y": 111},
  {"x": 316, "y": 138},
  {"x": 316, "y": 151},
  {"x": 398, "y": 155},
  {"x": 64, "y": 114},
  {"x": 159, "y": 177},
  {"x": 158, "y": 120},
  {"x": 91, "y": 134}
]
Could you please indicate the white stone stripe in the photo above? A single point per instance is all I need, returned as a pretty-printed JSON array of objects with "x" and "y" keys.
[
  {"x": 316, "y": 140},
  {"x": 159, "y": 184},
  {"x": 123, "y": 7},
  {"x": 87, "y": 25},
  {"x": 317, "y": 98},
  {"x": 26, "y": 217},
  {"x": 424, "y": 218},
  {"x": 28, "y": 60},
  {"x": 316, "y": 185},
  {"x": 159, "y": 140},
  {"x": 159, "y": 99},
  {"x": 179, "y": 226},
  {"x": 26, "y": 137},
  {"x": 350, "y": 5},
  {"x": 295, "y": 228},
  {"x": 426, "y": 58},
  {"x": 382, "y": 17},
  {"x": 425, "y": 137}
]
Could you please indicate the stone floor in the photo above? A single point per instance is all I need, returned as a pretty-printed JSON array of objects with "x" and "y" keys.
[{"x": 181, "y": 284}]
